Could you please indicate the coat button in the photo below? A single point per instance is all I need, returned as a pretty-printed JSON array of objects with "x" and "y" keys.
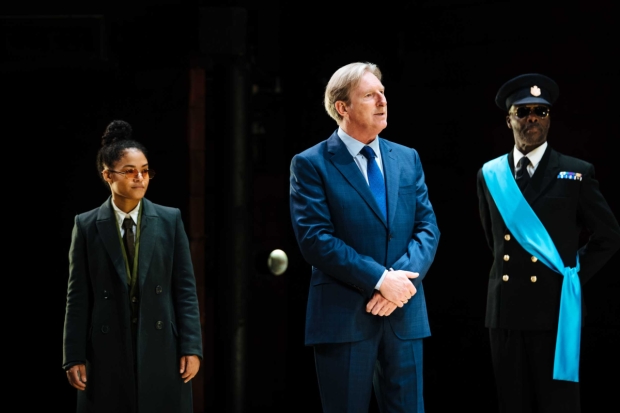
[
  {"x": 106, "y": 294},
  {"x": 134, "y": 299},
  {"x": 507, "y": 237},
  {"x": 506, "y": 257},
  {"x": 105, "y": 329},
  {"x": 158, "y": 289},
  {"x": 534, "y": 259},
  {"x": 505, "y": 278},
  {"x": 159, "y": 325},
  {"x": 134, "y": 320},
  {"x": 533, "y": 278}
]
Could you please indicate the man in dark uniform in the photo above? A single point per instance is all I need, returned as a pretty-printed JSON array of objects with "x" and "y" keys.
[{"x": 533, "y": 204}]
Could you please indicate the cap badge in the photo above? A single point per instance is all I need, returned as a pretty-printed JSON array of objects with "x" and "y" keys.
[{"x": 535, "y": 90}]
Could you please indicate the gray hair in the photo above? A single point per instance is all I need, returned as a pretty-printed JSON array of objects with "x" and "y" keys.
[{"x": 342, "y": 82}]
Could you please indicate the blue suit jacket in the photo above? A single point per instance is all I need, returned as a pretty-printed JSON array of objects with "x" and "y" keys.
[{"x": 343, "y": 235}]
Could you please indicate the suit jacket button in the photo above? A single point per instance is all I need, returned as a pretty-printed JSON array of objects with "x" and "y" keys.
[
  {"x": 105, "y": 329},
  {"x": 158, "y": 289},
  {"x": 135, "y": 320},
  {"x": 534, "y": 259},
  {"x": 533, "y": 278},
  {"x": 134, "y": 299},
  {"x": 506, "y": 257},
  {"x": 159, "y": 325},
  {"x": 505, "y": 278},
  {"x": 507, "y": 237},
  {"x": 106, "y": 294}
]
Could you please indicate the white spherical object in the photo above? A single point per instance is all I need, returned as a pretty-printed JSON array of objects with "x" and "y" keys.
[{"x": 277, "y": 262}]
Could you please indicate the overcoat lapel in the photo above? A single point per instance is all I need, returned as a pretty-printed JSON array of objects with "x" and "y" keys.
[
  {"x": 106, "y": 226},
  {"x": 392, "y": 178},
  {"x": 344, "y": 162},
  {"x": 149, "y": 232}
]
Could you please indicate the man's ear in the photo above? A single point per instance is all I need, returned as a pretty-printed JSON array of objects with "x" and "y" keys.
[
  {"x": 508, "y": 122},
  {"x": 341, "y": 107}
]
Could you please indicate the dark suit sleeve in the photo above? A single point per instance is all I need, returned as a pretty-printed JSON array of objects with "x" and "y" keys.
[
  {"x": 77, "y": 310},
  {"x": 184, "y": 293},
  {"x": 600, "y": 221},
  {"x": 422, "y": 247},
  {"x": 315, "y": 231}
]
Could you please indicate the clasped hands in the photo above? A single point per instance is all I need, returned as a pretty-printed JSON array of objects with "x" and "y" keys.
[{"x": 395, "y": 291}]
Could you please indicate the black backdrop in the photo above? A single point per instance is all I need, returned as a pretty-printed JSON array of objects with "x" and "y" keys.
[{"x": 443, "y": 63}]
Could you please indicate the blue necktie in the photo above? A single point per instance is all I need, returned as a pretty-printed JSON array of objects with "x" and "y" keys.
[{"x": 375, "y": 178}]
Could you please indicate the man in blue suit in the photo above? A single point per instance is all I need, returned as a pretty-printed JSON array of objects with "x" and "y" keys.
[{"x": 362, "y": 218}]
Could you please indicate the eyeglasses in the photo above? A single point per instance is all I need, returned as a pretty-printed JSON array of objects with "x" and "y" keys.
[
  {"x": 133, "y": 173},
  {"x": 524, "y": 111}
]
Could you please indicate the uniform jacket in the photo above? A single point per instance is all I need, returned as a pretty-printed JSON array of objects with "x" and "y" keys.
[
  {"x": 344, "y": 236},
  {"x": 523, "y": 293},
  {"x": 97, "y": 321}
]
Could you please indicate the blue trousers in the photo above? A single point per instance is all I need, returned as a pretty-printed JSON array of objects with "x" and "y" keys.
[{"x": 348, "y": 372}]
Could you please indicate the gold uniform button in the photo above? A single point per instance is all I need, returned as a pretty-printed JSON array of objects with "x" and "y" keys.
[
  {"x": 505, "y": 278},
  {"x": 534, "y": 259},
  {"x": 507, "y": 237},
  {"x": 506, "y": 257},
  {"x": 533, "y": 278}
]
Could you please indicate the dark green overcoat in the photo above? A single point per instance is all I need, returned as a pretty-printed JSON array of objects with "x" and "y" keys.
[{"x": 98, "y": 318}]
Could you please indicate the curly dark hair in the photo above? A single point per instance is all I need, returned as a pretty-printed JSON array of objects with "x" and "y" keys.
[{"x": 115, "y": 141}]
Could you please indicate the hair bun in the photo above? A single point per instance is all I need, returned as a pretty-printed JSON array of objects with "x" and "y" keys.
[{"x": 117, "y": 130}]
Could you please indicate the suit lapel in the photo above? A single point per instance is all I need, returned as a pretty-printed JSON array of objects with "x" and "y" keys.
[
  {"x": 149, "y": 231},
  {"x": 106, "y": 226},
  {"x": 344, "y": 162},
  {"x": 511, "y": 162},
  {"x": 392, "y": 177},
  {"x": 545, "y": 174}
]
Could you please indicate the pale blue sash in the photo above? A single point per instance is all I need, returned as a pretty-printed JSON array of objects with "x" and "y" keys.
[{"x": 525, "y": 226}]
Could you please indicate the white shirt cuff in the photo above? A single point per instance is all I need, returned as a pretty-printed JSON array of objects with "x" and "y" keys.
[{"x": 380, "y": 280}]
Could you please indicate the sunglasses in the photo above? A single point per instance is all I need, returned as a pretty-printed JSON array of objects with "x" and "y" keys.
[
  {"x": 133, "y": 173},
  {"x": 524, "y": 111}
]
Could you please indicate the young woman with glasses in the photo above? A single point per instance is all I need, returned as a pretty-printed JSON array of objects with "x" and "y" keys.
[{"x": 132, "y": 335}]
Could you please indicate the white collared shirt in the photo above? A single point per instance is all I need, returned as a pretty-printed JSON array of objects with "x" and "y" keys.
[
  {"x": 535, "y": 157},
  {"x": 355, "y": 147},
  {"x": 120, "y": 217}
]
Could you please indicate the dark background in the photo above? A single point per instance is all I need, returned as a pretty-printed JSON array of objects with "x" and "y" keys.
[{"x": 68, "y": 71}]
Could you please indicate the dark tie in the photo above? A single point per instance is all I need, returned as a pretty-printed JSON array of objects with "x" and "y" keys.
[
  {"x": 129, "y": 241},
  {"x": 375, "y": 178},
  {"x": 522, "y": 176}
]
